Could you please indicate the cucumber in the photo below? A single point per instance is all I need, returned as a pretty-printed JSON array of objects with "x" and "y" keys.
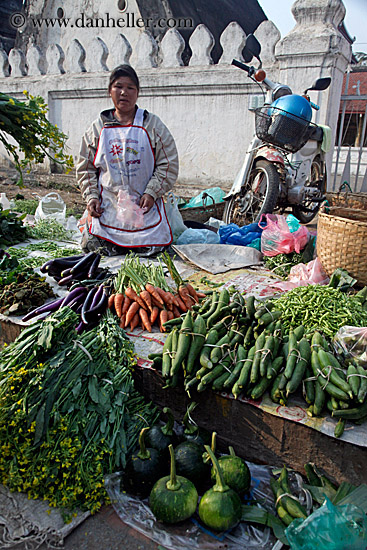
[
  {"x": 260, "y": 342},
  {"x": 250, "y": 306},
  {"x": 220, "y": 349},
  {"x": 352, "y": 414},
  {"x": 267, "y": 354},
  {"x": 329, "y": 364},
  {"x": 323, "y": 380},
  {"x": 240, "y": 359},
  {"x": 301, "y": 366},
  {"x": 213, "y": 306},
  {"x": 260, "y": 388},
  {"x": 317, "y": 342},
  {"x": 312, "y": 475},
  {"x": 267, "y": 318},
  {"x": 184, "y": 341},
  {"x": 211, "y": 339},
  {"x": 299, "y": 332},
  {"x": 339, "y": 428},
  {"x": 223, "y": 301},
  {"x": 246, "y": 369},
  {"x": 363, "y": 385},
  {"x": 319, "y": 402},
  {"x": 354, "y": 379},
  {"x": 309, "y": 387},
  {"x": 249, "y": 336},
  {"x": 197, "y": 343},
  {"x": 218, "y": 383},
  {"x": 177, "y": 321},
  {"x": 293, "y": 355},
  {"x": 274, "y": 393},
  {"x": 166, "y": 355}
]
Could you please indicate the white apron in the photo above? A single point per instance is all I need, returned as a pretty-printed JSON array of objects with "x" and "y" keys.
[{"x": 125, "y": 160}]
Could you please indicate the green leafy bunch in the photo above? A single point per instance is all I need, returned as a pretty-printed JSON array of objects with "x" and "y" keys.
[{"x": 36, "y": 137}]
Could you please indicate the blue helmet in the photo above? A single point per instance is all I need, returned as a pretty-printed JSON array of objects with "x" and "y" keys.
[{"x": 294, "y": 105}]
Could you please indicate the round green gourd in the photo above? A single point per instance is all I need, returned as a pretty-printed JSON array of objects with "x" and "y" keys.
[
  {"x": 235, "y": 471},
  {"x": 191, "y": 431},
  {"x": 173, "y": 498},
  {"x": 220, "y": 507},
  {"x": 142, "y": 469},
  {"x": 190, "y": 464},
  {"x": 160, "y": 437}
]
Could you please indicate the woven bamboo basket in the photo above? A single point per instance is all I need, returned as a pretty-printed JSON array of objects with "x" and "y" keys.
[
  {"x": 348, "y": 200},
  {"x": 203, "y": 213},
  {"x": 342, "y": 241}
]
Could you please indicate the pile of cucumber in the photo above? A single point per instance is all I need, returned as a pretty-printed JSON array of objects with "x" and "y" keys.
[{"x": 229, "y": 343}]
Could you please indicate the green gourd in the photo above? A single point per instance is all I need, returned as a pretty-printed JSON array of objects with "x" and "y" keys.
[
  {"x": 191, "y": 431},
  {"x": 235, "y": 471},
  {"x": 220, "y": 507},
  {"x": 160, "y": 437},
  {"x": 142, "y": 469},
  {"x": 173, "y": 498},
  {"x": 190, "y": 464}
]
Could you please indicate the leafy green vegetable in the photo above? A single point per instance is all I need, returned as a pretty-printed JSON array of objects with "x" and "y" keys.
[
  {"x": 48, "y": 229},
  {"x": 282, "y": 263},
  {"x": 27, "y": 206},
  {"x": 12, "y": 230}
]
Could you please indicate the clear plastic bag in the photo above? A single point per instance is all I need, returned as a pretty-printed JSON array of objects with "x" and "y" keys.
[
  {"x": 174, "y": 216},
  {"x": 330, "y": 528},
  {"x": 198, "y": 236},
  {"x": 51, "y": 206},
  {"x": 128, "y": 212},
  {"x": 351, "y": 342},
  {"x": 277, "y": 237}
]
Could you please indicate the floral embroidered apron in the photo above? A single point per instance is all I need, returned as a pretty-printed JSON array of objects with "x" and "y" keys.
[{"x": 125, "y": 160}]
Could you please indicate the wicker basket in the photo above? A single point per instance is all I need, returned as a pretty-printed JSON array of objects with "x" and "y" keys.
[
  {"x": 349, "y": 200},
  {"x": 203, "y": 213},
  {"x": 342, "y": 241}
]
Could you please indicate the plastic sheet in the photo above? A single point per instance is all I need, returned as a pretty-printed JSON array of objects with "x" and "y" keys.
[
  {"x": 330, "y": 528},
  {"x": 280, "y": 238},
  {"x": 190, "y": 534}
]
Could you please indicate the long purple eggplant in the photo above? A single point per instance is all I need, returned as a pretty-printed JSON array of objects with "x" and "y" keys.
[
  {"x": 53, "y": 306},
  {"x": 79, "y": 291},
  {"x": 92, "y": 314},
  {"x": 93, "y": 268},
  {"x": 88, "y": 303},
  {"x": 84, "y": 263}
]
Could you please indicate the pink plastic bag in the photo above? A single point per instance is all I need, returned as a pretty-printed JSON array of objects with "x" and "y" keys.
[
  {"x": 303, "y": 275},
  {"x": 276, "y": 237},
  {"x": 129, "y": 213}
]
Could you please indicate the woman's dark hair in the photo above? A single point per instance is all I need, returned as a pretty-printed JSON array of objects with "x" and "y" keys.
[{"x": 123, "y": 70}]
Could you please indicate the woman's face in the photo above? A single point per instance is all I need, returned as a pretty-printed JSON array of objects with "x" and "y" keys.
[{"x": 124, "y": 94}]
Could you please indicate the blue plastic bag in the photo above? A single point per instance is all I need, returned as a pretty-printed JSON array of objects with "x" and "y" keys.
[
  {"x": 233, "y": 234},
  {"x": 293, "y": 223},
  {"x": 330, "y": 528},
  {"x": 197, "y": 236},
  {"x": 215, "y": 193}
]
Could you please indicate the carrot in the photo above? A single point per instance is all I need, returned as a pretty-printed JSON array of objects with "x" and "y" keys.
[
  {"x": 192, "y": 292},
  {"x": 111, "y": 301},
  {"x": 162, "y": 293},
  {"x": 134, "y": 321},
  {"x": 119, "y": 298},
  {"x": 163, "y": 317},
  {"x": 176, "y": 312},
  {"x": 154, "y": 292},
  {"x": 145, "y": 319},
  {"x": 154, "y": 314},
  {"x": 185, "y": 296},
  {"x": 133, "y": 309},
  {"x": 181, "y": 303},
  {"x": 122, "y": 320},
  {"x": 144, "y": 295},
  {"x": 130, "y": 293},
  {"x": 170, "y": 315},
  {"x": 157, "y": 304},
  {"x": 201, "y": 294},
  {"x": 127, "y": 304}
]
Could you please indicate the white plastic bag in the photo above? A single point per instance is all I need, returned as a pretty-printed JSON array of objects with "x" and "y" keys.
[
  {"x": 174, "y": 216},
  {"x": 51, "y": 206}
]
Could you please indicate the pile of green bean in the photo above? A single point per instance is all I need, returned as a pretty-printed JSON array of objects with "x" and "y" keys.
[{"x": 322, "y": 308}]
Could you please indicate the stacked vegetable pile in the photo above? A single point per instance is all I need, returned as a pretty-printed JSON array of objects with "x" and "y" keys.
[
  {"x": 69, "y": 413},
  {"x": 228, "y": 344},
  {"x": 143, "y": 297},
  {"x": 174, "y": 497}
]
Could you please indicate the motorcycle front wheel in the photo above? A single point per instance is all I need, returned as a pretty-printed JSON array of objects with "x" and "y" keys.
[
  {"x": 259, "y": 195},
  {"x": 317, "y": 179}
]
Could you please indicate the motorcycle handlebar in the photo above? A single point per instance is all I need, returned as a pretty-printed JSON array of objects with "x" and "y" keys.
[
  {"x": 249, "y": 70},
  {"x": 314, "y": 106}
]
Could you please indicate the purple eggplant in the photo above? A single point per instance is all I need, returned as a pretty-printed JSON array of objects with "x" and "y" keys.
[
  {"x": 83, "y": 264},
  {"x": 100, "y": 307},
  {"x": 88, "y": 303},
  {"x": 94, "y": 265},
  {"x": 79, "y": 291},
  {"x": 53, "y": 306},
  {"x": 65, "y": 280},
  {"x": 45, "y": 266}
]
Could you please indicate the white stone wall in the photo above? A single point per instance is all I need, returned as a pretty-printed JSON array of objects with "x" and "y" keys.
[{"x": 204, "y": 105}]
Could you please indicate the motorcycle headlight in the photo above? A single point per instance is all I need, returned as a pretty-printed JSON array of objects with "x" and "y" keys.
[{"x": 281, "y": 91}]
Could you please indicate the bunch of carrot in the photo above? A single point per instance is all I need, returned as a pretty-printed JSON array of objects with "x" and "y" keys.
[{"x": 143, "y": 297}]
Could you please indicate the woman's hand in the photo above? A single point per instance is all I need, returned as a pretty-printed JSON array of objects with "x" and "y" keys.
[
  {"x": 146, "y": 202},
  {"x": 94, "y": 208}
]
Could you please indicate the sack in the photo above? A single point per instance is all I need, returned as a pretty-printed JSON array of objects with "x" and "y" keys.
[
  {"x": 51, "y": 206},
  {"x": 198, "y": 236},
  {"x": 174, "y": 216},
  {"x": 277, "y": 237},
  {"x": 330, "y": 528}
]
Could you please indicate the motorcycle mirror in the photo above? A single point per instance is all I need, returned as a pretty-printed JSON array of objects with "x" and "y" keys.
[
  {"x": 253, "y": 46},
  {"x": 320, "y": 84}
]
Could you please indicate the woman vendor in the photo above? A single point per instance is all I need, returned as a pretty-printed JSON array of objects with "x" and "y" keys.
[{"x": 128, "y": 160}]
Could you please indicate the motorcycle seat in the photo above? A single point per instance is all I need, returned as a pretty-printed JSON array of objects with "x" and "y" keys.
[{"x": 316, "y": 133}]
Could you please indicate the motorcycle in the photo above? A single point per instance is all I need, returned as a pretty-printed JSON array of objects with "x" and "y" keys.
[{"x": 284, "y": 165}]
